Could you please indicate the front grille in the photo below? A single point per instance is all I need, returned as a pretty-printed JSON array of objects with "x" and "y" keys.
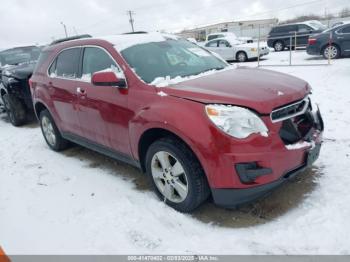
[{"x": 290, "y": 111}]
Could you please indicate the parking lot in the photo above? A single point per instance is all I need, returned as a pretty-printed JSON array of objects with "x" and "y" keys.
[{"x": 80, "y": 202}]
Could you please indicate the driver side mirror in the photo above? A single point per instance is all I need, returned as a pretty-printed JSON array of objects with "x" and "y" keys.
[{"x": 107, "y": 78}]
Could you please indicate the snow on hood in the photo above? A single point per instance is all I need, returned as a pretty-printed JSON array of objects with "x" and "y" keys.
[
  {"x": 167, "y": 81},
  {"x": 122, "y": 42}
]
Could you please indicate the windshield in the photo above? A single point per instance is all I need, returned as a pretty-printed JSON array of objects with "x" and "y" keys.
[
  {"x": 170, "y": 58},
  {"x": 19, "y": 55}
]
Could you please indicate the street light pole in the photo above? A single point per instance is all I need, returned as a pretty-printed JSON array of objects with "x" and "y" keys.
[
  {"x": 131, "y": 20},
  {"x": 65, "y": 28}
]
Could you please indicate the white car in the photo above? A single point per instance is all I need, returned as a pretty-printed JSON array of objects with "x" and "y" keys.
[
  {"x": 228, "y": 35},
  {"x": 231, "y": 49}
]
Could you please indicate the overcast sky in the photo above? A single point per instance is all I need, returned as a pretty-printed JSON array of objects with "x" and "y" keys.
[{"x": 38, "y": 21}]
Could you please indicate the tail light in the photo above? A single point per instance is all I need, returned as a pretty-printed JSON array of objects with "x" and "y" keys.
[
  {"x": 30, "y": 81},
  {"x": 312, "y": 41}
]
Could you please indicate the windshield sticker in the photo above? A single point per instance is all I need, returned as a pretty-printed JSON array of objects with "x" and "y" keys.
[{"x": 198, "y": 52}]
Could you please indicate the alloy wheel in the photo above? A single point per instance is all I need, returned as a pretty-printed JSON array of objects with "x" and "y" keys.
[
  {"x": 48, "y": 131},
  {"x": 169, "y": 177},
  {"x": 331, "y": 52}
]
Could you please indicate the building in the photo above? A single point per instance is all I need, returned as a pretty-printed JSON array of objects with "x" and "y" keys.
[{"x": 240, "y": 28}]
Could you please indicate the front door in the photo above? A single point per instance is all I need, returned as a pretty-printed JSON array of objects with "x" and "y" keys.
[{"x": 103, "y": 110}]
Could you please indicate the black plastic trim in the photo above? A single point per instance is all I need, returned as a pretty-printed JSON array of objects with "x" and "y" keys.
[{"x": 101, "y": 149}]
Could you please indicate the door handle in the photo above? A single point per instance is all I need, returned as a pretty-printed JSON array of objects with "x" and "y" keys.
[{"x": 81, "y": 91}]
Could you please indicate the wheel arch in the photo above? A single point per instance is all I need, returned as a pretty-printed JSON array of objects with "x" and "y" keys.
[
  {"x": 151, "y": 135},
  {"x": 241, "y": 51},
  {"x": 326, "y": 45}
]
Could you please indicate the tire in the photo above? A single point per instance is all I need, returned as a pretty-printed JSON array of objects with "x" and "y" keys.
[
  {"x": 51, "y": 133},
  {"x": 14, "y": 109},
  {"x": 191, "y": 177},
  {"x": 278, "y": 46},
  {"x": 334, "y": 52},
  {"x": 242, "y": 57}
]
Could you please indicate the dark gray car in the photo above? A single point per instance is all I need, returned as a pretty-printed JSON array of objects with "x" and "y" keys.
[
  {"x": 293, "y": 35},
  {"x": 332, "y": 43}
]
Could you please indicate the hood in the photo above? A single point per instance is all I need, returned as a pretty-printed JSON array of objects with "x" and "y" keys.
[
  {"x": 20, "y": 71},
  {"x": 258, "y": 89}
]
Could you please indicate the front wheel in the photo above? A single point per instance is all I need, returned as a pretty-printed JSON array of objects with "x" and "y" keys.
[
  {"x": 176, "y": 175},
  {"x": 14, "y": 109},
  {"x": 331, "y": 52},
  {"x": 51, "y": 133}
]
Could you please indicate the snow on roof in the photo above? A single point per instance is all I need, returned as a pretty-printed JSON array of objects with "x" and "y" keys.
[{"x": 122, "y": 42}]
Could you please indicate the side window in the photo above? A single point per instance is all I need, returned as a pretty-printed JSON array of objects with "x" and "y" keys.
[
  {"x": 211, "y": 37},
  {"x": 223, "y": 43},
  {"x": 346, "y": 30},
  {"x": 212, "y": 44},
  {"x": 304, "y": 29},
  {"x": 67, "y": 63},
  {"x": 291, "y": 28},
  {"x": 95, "y": 60}
]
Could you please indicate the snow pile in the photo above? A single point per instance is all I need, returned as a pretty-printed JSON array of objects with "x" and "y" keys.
[{"x": 300, "y": 145}]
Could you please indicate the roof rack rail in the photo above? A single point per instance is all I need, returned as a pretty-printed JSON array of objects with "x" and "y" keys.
[
  {"x": 136, "y": 33},
  {"x": 70, "y": 39}
]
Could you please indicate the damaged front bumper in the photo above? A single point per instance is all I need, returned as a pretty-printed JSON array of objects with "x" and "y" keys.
[{"x": 308, "y": 148}]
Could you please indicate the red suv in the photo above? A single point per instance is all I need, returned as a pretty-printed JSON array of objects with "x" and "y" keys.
[{"x": 195, "y": 125}]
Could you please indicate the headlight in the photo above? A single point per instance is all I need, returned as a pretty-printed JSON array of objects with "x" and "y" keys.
[{"x": 236, "y": 121}]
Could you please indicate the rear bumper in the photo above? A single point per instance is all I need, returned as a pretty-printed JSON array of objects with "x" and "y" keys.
[{"x": 313, "y": 50}]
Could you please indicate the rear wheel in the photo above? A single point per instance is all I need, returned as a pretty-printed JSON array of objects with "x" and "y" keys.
[
  {"x": 14, "y": 109},
  {"x": 176, "y": 175},
  {"x": 242, "y": 57},
  {"x": 51, "y": 133},
  {"x": 279, "y": 46},
  {"x": 331, "y": 52}
]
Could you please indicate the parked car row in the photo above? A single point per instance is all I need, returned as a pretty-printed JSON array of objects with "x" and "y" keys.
[
  {"x": 331, "y": 43},
  {"x": 197, "y": 126}
]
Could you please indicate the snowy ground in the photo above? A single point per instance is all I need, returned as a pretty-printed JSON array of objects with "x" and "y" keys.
[{"x": 79, "y": 202}]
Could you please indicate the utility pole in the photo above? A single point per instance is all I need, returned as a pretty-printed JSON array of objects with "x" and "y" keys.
[
  {"x": 65, "y": 28},
  {"x": 131, "y": 20}
]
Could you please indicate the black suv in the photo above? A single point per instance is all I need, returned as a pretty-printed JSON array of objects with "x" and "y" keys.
[
  {"x": 280, "y": 36},
  {"x": 16, "y": 67},
  {"x": 333, "y": 43}
]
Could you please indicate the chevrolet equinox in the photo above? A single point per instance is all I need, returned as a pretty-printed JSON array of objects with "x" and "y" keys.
[{"x": 197, "y": 126}]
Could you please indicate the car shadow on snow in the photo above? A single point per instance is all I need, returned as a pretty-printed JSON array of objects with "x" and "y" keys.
[
  {"x": 289, "y": 196},
  {"x": 281, "y": 201}
]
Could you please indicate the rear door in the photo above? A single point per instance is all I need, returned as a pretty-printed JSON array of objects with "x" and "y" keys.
[
  {"x": 103, "y": 110},
  {"x": 303, "y": 33},
  {"x": 343, "y": 37},
  {"x": 63, "y": 73}
]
